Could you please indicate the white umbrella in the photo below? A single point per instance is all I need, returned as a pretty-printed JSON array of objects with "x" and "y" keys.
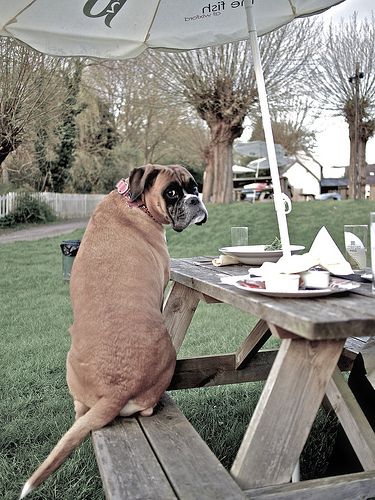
[
  {"x": 122, "y": 29},
  {"x": 239, "y": 169},
  {"x": 256, "y": 148}
]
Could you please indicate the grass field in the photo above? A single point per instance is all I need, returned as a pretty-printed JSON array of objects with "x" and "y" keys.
[{"x": 35, "y": 408}]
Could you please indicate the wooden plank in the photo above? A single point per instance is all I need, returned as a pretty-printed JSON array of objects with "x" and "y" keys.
[
  {"x": 192, "y": 469},
  {"x": 253, "y": 342},
  {"x": 332, "y": 317},
  {"x": 209, "y": 371},
  {"x": 353, "y": 420},
  {"x": 220, "y": 369},
  {"x": 127, "y": 466},
  {"x": 178, "y": 312},
  {"x": 353, "y": 345},
  {"x": 285, "y": 412},
  {"x": 346, "y": 487}
]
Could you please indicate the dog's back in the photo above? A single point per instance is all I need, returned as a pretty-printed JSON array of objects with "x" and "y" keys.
[
  {"x": 117, "y": 296},
  {"x": 121, "y": 358}
]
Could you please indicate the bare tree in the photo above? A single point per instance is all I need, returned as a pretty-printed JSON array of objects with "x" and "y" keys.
[
  {"x": 147, "y": 119},
  {"x": 291, "y": 128},
  {"x": 220, "y": 84},
  {"x": 345, "y": 84},
  {"x": 29, "y": 90}
]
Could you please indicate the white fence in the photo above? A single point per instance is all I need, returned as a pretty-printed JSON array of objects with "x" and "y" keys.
[{"x": 66, "y": 206}]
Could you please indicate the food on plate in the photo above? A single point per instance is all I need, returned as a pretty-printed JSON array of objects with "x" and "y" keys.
[
  {"x": 315, "y": 278},
  {"x": 252, "y": 283},
  {"x": 282, "y": 282},
  {"x": 275, "y": 245}
]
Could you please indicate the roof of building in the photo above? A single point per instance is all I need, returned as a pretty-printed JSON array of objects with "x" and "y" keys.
[{"x": 332, "y": 182}]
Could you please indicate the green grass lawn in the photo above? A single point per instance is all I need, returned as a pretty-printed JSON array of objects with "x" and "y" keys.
[{"x": 35, "y": 408}]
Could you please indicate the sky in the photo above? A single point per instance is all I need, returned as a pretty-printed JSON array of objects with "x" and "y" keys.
[{"x": 332, "y": 138}]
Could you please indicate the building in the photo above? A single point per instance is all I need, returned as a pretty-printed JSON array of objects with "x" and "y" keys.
[
  {"x": 304, "y": 175},
  {"x": 341, "y": 184}
]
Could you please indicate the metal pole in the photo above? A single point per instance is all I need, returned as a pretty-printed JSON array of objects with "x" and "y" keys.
[{"x": 281, "y": 200}]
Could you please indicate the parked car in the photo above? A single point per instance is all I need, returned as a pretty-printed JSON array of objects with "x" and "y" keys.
[
  {"x": 255, "y": 191},
  {"x": 328, "y": 196}
]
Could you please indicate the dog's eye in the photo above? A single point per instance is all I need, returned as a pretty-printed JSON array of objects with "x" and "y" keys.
[
  {"x": 195, "y": 191},
  {"x": 171, "y": 193}
]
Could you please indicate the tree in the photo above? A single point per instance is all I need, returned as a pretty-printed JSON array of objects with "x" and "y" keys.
[
  {"x": 29, "y": 91},
  {"x": 218, "y": 82},
  {"x": 67, "y": 128},
  {"x": 290, "y": 128},
  {"x": 151, "y": 124},
  {"x": 95, "y": 168},
  {"x": 345, "y": 85}
]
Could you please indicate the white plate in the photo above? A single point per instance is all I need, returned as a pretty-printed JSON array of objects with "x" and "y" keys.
[
  {"x": 256, "y": 255},
  {"x": 367, "y": 276},
  {"x": 336, "y": 286}
]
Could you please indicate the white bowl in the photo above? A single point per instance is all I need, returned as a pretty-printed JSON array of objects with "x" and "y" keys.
[
  {"x": 282, "y": 282},
  {"x": 255, "y": 255}
]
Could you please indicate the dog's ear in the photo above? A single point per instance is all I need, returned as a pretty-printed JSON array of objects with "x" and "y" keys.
[{"x": 140, "y": 178}]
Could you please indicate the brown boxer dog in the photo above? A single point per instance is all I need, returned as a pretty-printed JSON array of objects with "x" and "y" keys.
[{"x": 121, "y": 358}]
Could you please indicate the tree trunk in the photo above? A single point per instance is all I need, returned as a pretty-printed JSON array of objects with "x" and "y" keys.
[
  {"x": 353, "y": 174},
  {"x": 5, "y": 175},
  {"x": 208, "y": 178},
  {"x": 360, "y": 131},
  {"x": 222, "y": 191},
  {"x": 362, "y": 169},
  {"x": 222, "y": 137}
]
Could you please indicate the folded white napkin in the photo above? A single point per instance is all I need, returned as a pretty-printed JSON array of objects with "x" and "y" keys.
[
  {"x": 323, "y": 252},
  {"x": 328, "y": 253},
  {"x": 225, "y": 260}
]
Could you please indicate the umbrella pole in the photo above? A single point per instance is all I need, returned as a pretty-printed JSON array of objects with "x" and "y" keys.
[{"x": 281, "y": 200}]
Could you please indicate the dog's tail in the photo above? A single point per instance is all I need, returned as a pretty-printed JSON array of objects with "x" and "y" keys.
[{"x": 103, "y": 412}]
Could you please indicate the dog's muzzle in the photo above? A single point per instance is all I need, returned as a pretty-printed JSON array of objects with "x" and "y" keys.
[{"x": 189, "y": 210}]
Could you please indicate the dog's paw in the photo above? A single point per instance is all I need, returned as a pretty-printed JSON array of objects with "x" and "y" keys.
[{"x": 147, "y": 412}]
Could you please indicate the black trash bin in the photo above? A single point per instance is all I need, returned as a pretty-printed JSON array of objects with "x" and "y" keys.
[{"x": 69, "y": 250}]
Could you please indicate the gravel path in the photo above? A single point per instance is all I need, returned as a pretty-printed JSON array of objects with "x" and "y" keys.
[{"x": 43, "y": 231}]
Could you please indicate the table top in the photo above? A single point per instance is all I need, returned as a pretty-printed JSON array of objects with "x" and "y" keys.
[{"x": 330, "y": 317}]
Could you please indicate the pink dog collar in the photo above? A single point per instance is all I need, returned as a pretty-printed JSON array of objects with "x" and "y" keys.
[
  {"x": 122, "y": 186},
  {"x": 124, "y": 190}
]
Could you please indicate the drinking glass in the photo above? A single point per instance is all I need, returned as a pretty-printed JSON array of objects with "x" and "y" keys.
[
  {"x": 355, "y": 237},
  {"x": 239, "y": 236}
]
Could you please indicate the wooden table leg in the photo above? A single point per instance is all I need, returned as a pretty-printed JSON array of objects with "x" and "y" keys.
[
  {"x": 353, "y": 420},
  {"x": 178, "y": 312},
  {"x": 285, "y": 412},
  {"x": 253, "y": 342}
]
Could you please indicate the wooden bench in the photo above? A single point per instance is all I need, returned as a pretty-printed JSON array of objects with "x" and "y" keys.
[
  {"x": 352, "y": 347},
  {"x": 163, "y": 457},
  {"x": 160, "y": 458}
]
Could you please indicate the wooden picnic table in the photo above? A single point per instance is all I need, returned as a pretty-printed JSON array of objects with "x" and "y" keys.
[
  {"x": 316, "y": 335},
  {"x": 312, "y": 332}
]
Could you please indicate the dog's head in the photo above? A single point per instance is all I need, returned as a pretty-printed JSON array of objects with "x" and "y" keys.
[{"x": 170, "y": 194}]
